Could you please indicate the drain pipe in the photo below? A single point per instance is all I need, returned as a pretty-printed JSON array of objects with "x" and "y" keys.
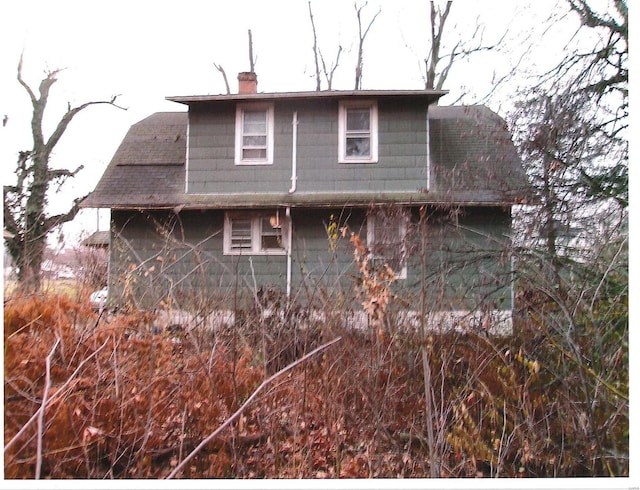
[
  {"x": 294, "y": 154},
  {"x": 289, "y": 226},
  {"x": 294, "y": 184}
]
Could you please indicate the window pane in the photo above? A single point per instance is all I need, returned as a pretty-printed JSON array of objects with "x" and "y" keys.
[
  {"x": 255, "y": 122},
  {"x": 358, "y": 119},
  {"x": 271, "y": 242},
  {"x": 388, "y": 233},
  {"x": 358, "y": 147},
  {"x": 255, "y": 141},
  {"x": 388, "y": 241},
  {"x": 271, "y": 238},
  {"x": 254, "y": 154}
]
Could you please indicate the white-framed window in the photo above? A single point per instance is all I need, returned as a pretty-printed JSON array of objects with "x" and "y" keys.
[
  {"x": 358, "y": 132},
  {"x": 387, "y": 239},
  {"x": 255, "y": 233},
  {"x": 254, "y": 134}
]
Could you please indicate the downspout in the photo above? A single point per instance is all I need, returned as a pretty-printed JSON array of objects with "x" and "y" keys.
[
  {"x": 289, "y": 226},
  {"x": 294, "y": 184},
  {"x": 428, "y": 152},
  {"x": 294, "y": 154}
]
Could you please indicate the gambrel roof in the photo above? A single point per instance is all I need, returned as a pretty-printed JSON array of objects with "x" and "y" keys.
[{"x": 472, "y": 161}]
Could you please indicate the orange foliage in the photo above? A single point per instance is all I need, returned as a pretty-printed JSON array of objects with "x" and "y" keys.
[
  {"x": 127, "y": 403},
  {"x": 138, "y": 403}
]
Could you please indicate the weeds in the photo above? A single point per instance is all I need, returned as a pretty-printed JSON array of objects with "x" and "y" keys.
[{"x": 123, "y": 402}]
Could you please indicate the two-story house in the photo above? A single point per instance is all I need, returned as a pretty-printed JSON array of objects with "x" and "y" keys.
[{"x": 249, "y": 192}]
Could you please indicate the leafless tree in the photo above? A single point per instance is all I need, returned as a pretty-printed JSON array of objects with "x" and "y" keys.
[
  {"x": 25, "y": 202},
  {"x": 362, "y": 35},
  {"x": 439, "y": 63},
  {"x": 252, "y": 59},
  {"x": 572, "y": 131},
  {"x": 224, "y": 76},
  {"x": 318, "y": 57}
]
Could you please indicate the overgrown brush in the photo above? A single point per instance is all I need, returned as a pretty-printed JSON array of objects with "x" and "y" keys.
[{"x": 124, "y": 402}]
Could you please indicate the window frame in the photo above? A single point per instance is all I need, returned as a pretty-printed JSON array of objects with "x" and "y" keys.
[
  {"x": 256, "y": 232},
  {"x": 239, "y": 130},
  {"x": 403, "y": 230},
  {"x": 343, "y": 108}
]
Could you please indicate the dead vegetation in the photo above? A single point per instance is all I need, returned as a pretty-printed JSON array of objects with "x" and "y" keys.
[{"x": 88, "y": 396}]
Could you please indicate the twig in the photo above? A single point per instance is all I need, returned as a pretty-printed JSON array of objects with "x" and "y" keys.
[
  {"x": 238, "y": 412},
  {"x": 45, "y": 396},
  {"x": 56, "y": 395}
]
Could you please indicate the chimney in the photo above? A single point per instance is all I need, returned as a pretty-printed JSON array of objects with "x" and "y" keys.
[{"x": 247, "y": 82}]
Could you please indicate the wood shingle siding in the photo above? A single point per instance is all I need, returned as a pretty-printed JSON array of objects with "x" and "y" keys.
[
  {"x": 176, "y": 179},
  {"x": 472, "y": 159}
]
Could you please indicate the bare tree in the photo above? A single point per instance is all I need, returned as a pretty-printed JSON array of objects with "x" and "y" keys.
[
  {"x": 438, "y": 19},
  {"x": 438, "y": 64},
  {"x": 252, "y": 60},
  {"x": 319, "y": 58},
  {"x": 224, "y": 76},
  {"x": 362, "y": 34},
  {"x": 315, "y": 48},
  {"x": 572, "y": 131},
  {"x": 26, "y": 201}
]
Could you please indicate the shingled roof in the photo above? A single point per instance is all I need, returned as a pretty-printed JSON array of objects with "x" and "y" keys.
[
  {"x": 147, "y": 169},
  {"x": 472, "y": 157},
  {"x": 472, "y": 154}
]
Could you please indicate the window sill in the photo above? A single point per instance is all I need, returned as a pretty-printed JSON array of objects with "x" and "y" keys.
[
  {"x": 246, "y": 163},
  {"x": 357, "y": 160},
  {"x": 276, "y": 253}
]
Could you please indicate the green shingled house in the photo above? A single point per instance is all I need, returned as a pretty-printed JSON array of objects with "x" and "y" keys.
[{"x": 247, "y": 193}]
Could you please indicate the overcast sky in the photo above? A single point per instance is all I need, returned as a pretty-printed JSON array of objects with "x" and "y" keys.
[{"x": 147, "y": 50}]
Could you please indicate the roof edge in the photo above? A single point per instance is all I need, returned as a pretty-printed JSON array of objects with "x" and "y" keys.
[{"x": 433, "y": 95}]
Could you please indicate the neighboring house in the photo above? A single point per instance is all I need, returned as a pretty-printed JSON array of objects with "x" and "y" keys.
[
  {"x": 98, "y": 239},
  {"x": 248, "y": 193}
]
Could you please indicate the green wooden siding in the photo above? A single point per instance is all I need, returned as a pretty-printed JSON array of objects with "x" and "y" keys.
[
  {"x": 161, "y": 258},
  {"x": 402, "y": 150}
]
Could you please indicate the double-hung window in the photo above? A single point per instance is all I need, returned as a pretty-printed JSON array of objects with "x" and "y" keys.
[
  {"x": 358, "y": 132},
  {"x": 255, "y": 233},
  {"x": 386, "y": 240},
  {"x": 254, "y": 134}
]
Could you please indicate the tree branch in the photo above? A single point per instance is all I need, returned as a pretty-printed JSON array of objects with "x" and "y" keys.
[
  {"x": 362, "y": 36},
  {"x": 45, "y": 397},
  {"x": 63, "y": 173},
  {"x": 224, "y": 76},
  {"x": 242, "y": 408},
  {"x": 53, "y": 221},
  {"x": 315, "y": 47},
  {"x": 590, "y": 18},
  {"x": 59, "y": 392},
  {"x": 68, "y": 117}
]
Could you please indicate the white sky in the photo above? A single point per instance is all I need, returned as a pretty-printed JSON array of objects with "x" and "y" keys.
[{"x": 147, "y": 50}]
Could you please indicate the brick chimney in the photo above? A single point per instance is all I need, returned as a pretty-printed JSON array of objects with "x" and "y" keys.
[{"x": 247, "y": 82}]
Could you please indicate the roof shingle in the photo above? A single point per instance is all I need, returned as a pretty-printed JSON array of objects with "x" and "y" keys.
[{"x": 473, "y": 161}]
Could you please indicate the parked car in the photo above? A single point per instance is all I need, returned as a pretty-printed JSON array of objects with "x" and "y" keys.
[{"x": 98, "y": 299}]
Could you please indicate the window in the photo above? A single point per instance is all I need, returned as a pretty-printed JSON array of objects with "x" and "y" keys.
[
  {"x": 254, "y": 134},
  {"x": 259, "y": 233},
  {"x": 358, "y": 132},
  {"x": 386, "y": 239}
]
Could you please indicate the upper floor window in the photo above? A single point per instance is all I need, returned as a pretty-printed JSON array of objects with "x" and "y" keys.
[
  {"x": 255, "y": 233},
  {"x": 254, "y": 134},
  {"x": 387, "y": 239},
  {"x": 358, "y": 132}
]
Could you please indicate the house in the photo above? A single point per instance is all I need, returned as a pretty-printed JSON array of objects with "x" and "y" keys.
[{"x": 245, "y": 195}]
